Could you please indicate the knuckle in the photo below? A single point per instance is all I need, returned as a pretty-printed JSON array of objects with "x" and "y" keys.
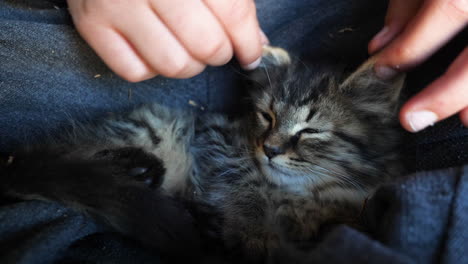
[{"x": 218, "y": 52}]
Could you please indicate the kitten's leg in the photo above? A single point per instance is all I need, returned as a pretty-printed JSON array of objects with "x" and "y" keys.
[
  {"x": 106, "y": 189},
  {"x": 247, "y": 226},
  {"x": 164, "y": 133},
  {"x": 106, "y": 170},
  {"x": 301, "y": 219},
  {"x": 136, "y": 164}
]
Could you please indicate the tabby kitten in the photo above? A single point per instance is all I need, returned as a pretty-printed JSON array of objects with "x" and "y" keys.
[{"x": 311, "y": 150}]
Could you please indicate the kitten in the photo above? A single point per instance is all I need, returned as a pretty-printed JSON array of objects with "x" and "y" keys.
[{"x": 310, "y": 152}]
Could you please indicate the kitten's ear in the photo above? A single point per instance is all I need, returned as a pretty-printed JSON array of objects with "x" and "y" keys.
[
  {"x": 371, "y": 93},
  {"x": 274, "y": 62}
]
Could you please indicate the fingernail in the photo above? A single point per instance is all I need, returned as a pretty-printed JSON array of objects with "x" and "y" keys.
[
  {"x": 264, "y": 38},
  {"x": 253, "y": 65},
  {"x": 385, "y": 72},
  {"x": 419, "y": 120},
  {"x": 380, "y": 39}
]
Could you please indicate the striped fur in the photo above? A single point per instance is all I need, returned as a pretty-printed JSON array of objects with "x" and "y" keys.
[{"x": 311, "y": 151}]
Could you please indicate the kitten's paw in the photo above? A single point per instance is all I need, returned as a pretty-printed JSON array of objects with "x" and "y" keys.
[
  {"x": 134, "y": 164},
  {"x": 274, "y": 56},
  {"x": 146, "y": 176}
]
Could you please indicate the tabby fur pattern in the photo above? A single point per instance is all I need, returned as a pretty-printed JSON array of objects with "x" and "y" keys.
[{"x": 311, "y": 150}]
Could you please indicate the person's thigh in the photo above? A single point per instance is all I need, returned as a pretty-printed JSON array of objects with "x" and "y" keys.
[{"x": 49, "y": 76}]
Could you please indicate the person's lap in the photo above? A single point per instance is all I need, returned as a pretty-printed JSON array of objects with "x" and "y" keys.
[{"x": 49, "y": 78}]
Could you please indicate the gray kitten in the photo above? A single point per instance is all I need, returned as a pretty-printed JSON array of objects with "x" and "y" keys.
[{"x": 310, "y": 152}]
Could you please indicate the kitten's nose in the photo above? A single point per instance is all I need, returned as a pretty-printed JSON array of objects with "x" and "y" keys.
[{"x": 272, "y": 151}]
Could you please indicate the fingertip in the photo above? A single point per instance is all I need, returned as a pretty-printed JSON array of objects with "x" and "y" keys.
[
  {"x": 414, "y": 118},
  {"x": 416, "y": 121},
  {"x": 464, "y": 117},
  {"x": 240, "y": 22},
  {"x": 404, "y": 119},
  {"x": 253, "y": 65},
  {"x": 250, "y": 59},
  {"x": 134, "y": 76},
  {"x": 371, "y": 48},
  {"x": 379, "y": 40},
  {"x": 385, "y": 72}
]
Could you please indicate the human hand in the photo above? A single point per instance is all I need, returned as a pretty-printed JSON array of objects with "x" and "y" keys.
[
  {"x": 139, "y": 39},
  {"x": 414, "y": 30}
]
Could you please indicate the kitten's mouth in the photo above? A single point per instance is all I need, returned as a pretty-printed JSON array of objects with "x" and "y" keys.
[
  {"x": 270, "y": 164},
  {"x": 276, "y": 167}
]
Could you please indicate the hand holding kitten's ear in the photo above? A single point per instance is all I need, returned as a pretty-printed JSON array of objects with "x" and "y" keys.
[
  {"x": 413, "y": 31},
  {"x": 174, "y": 38}
]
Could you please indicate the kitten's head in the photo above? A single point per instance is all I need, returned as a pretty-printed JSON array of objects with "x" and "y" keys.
[{"x": 310, "y": 130}]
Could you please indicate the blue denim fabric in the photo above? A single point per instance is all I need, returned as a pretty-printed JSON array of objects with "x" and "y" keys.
[{"x": 49, "y": 77}]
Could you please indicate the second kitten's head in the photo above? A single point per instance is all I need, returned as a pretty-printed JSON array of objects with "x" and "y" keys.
[{"x": 313, "y": 129}]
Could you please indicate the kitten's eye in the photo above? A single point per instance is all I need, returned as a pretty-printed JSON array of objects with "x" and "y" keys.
[
  {"x": 309, "y": 131},
  {"x": 266, "y": 116}
]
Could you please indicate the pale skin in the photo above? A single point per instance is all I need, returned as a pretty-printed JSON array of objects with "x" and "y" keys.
[
  {"x": 140, "y": 39},
  {"x": 414, "y": 30}
]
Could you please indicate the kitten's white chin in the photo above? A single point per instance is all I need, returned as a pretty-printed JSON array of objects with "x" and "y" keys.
[{"x": 282, "y": 176}]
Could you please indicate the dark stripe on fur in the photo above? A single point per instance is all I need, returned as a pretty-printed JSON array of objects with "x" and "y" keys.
[
  {"x": 363, "y": 149},
  {"x": 311, "y": 114},
  {"x": 152, "y": 133}
]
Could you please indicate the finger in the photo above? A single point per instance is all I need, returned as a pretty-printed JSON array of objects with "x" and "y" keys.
[
  {"x": 444, "y": 97},
  {"x": 240, "y": 22},
  {"x": 196, "y": 28},
  {"x": 264, "y": 39},
  {"x": 464, "y": 117},
  {"x": 112, "y": 48},
  {"x": 399, "y": 12},
  {"x": 436, "y": 23},
  {"x": 156, "y": 44}
]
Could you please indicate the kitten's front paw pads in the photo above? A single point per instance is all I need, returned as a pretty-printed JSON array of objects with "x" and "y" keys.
[
  {"x": 147, "y": 176},
  {"x": 139, "y": 174},
  {"x": 135, "y": 163}
]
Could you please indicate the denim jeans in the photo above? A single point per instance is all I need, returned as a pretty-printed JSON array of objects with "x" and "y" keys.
[{"x": 50, "y": 78}]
